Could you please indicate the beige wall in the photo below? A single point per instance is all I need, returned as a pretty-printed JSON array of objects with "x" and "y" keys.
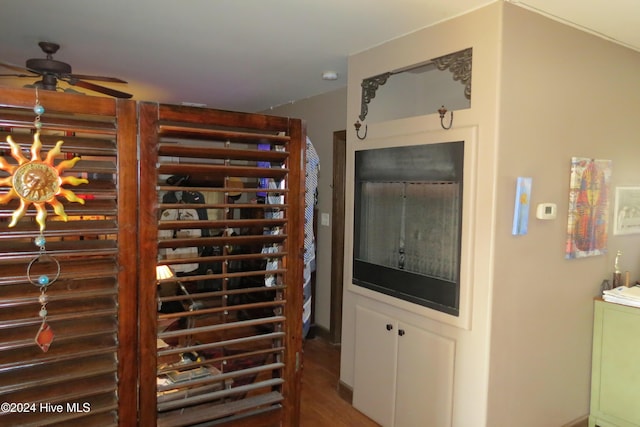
[
  {"x": 563, "y": 93},
  {"x": 479, "y": 30},
  {"x": 323, "y": 114},
  {"x": 543, "y": 92}
]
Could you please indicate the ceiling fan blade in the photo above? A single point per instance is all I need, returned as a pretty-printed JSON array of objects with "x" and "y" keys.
[
  {"x": 96, "y": 78},
  {"x": 98, "y": 88},
  {"x": 19, "y": 75},
  {"x": 19, "y": 69}
]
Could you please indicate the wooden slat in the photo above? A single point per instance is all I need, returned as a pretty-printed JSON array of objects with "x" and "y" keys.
[
  {"x": 222, "y": 153},
  {"x": 71, "y": 269},
  {"x": 212, "y": 397},
  {"x": 219, "y": 294},
  {"x": 69, "y": 125},
  {"x": 224, "y": 326},
  {"x": 220, "y": 258},
  {"x": 208, "y": 412},
  {"x": 100, "y": 404},
  {"x": 72, "y": 144},
  {"x": 20, "y": 337},
  {"x": 257, "y": 206},
  {"x": 210, "y": 118},
  {"x": 226, "y": 223},
  {"x": 59, "y": 103},
  {"x": 90, "y": 208},
  {"x": 266, "y": 353},
  {"x": 221, "y": 241},
  {"x": 87, "y": 248},
  {"x": 207, "y": 296},
  {"x": 41, "y": 376},
  {"x": 61, "y": 297},
  {"x": 220, "y": 171},
  {"x": 62, "y": 229},
  {"x": 192, "y": 132},
  {"x": 221, "y": 378}
]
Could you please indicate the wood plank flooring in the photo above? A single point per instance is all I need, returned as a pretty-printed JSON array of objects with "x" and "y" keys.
[{"x": 320, "y": 403}]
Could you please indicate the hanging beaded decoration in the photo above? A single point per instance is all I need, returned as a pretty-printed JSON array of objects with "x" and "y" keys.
[
  {"x": 45, "y": 334},
  {"x": 38, "y": 182}
]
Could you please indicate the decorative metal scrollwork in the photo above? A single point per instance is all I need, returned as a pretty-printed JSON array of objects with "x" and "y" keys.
[
  {"x": 459, "y": 63},
  {"x": 369, "y": 88}
]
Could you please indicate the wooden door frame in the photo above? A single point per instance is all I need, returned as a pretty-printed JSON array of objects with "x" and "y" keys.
[{"x": 337, "y": 235}]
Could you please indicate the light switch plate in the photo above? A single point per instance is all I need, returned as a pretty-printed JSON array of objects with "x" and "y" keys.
[{"x": 324, "y": 219}]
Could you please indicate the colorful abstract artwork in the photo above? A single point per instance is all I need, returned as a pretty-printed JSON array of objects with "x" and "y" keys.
[
  {"x": 589, "y": 195},
  {"x": 521, "y": 209}
]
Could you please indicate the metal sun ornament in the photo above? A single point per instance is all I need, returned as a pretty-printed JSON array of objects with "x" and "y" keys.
[{"x": 39, "y": 182}]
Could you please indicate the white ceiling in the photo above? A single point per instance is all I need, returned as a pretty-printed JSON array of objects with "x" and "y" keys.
[{"x": 246, "y": 55}]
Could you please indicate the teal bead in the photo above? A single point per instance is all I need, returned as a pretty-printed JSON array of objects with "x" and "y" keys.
[
  {"x": 37, "y": 125},
  {"x": 40, "y": 241},
  {"x": 38, "y": 109},
  {"x": 43, "y": 280}
]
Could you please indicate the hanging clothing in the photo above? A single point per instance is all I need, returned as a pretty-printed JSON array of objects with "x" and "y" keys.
[
  {"x": 312, "y": 169},
  {"x": 182, "y": 214}
]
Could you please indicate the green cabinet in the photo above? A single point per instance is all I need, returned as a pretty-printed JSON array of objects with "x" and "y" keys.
[{"x": 615, "y": 375}]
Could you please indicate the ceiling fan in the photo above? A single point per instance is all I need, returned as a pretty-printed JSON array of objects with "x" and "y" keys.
[{"x": 52, "y": 70}]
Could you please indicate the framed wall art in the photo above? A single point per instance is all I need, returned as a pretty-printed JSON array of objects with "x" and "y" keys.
[
  {"x": 587, "y": 224},
  {"x": 521, "y": 209},
  {"x": 626, "y": 217}
]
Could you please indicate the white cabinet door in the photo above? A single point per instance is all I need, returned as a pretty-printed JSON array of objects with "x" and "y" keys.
[
  {"x": 375, "y": 365},
  {"x": 424, "y": 379},
  {"x": 403, "y": 375}
]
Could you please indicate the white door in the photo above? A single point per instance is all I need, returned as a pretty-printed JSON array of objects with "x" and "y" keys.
[
  {"x": 424, "y": 395},
  {"x": 375, "y": 365}
]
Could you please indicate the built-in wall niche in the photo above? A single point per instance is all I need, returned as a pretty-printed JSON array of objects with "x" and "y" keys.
[
  {"x": 419, "y": 89},
  {"x": 408, "y": 223}
]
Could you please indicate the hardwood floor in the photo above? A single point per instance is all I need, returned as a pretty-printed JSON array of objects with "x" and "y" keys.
[{"x": 320, "y": 403}]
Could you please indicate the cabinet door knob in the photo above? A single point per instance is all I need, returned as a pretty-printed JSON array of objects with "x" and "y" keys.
[
  {"x": 401, "y": 332},
  {"x": 389, "y": 326}
]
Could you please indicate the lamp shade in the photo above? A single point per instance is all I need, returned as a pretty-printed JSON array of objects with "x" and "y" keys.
[{"x": 163, "y": 272}]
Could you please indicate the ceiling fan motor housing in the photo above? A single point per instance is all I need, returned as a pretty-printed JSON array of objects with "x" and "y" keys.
[
  {"x": 48, "y": 66},
  {"x": 48, "y": 82}
]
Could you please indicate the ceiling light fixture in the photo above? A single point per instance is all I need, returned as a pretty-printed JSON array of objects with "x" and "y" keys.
[{"x": 329, "y": 75}]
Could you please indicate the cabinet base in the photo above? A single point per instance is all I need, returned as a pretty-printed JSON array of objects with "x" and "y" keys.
[{"x": 345, "y": 392}]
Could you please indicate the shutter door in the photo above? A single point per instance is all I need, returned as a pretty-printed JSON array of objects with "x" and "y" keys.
[
  {"x": 89, "y": 368},
  {"x": 222, "y": 208}
]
